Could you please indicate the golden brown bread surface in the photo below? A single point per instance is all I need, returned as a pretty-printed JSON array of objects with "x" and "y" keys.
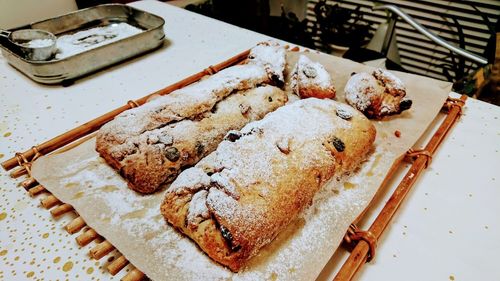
[
  {"x": 238, "y": 198},
  {"x": 153, "y": 158}
]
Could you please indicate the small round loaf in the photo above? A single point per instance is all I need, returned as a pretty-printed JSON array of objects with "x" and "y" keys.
[{"x": 377, "y": 94}]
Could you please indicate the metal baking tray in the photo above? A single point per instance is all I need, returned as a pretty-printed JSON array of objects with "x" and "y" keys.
[{"x": 65, "y": 70}]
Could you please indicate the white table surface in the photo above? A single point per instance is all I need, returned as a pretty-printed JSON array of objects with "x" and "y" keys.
[{"x": 447, "y": 229}]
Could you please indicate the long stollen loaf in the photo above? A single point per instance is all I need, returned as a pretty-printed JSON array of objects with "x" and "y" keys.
[
  {"x": 241, "y": 196},
  {"x": 155, "y": 157},
  {"x": 149, "y": 144}
]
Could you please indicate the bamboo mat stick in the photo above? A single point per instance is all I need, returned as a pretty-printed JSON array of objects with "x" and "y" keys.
[
  {"x": 61, "y": 210},
  {"x": 360, "y": 253},
  {"x": 50, "y": 201},
  {"x": 101, "y": 249},
  {"x": 133, "y": 275},
  {"x": 95, "y": 124},
  {"x": 86, "y": 237},
  {"x": 18, "y": 172},
  {"x": 28, "y": 183},
  {"x": 117, "y": 265},
  {"x": 75, "y": 225},
  {"x": 36, "y": 190}
]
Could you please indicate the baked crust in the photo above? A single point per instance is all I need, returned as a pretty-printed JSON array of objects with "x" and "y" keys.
[
  {"x": 238, "y": 198},
  {"x": 377, "y": 94},
  {"x": 153, "y": 158},
  {"x": 310, "y": 79}
]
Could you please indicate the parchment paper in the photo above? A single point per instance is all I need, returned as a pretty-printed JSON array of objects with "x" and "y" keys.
[{"x": 133, "y": 224}]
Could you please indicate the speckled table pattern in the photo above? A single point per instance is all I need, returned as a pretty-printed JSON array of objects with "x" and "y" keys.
[{"x": 447, "y": 229}]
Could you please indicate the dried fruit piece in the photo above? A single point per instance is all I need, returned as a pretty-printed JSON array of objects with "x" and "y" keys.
[
  {"x": 309, "y": 71},
  {"x": 226, "y": 234},
  {"x": 338, "y": 144},
  {"x": 344, "y": 113},
  {"x": 172, "y": 154},
  {"x": 404, "y": 105},
  {"x": 283, "y": 145},
  {"x": 229, "y": 238},
  {"x": 233, "y": 136},
  {"x": 200, "y": 148}
]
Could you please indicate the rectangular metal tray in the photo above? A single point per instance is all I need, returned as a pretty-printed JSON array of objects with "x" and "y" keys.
[{"x": 67, "y": 69}]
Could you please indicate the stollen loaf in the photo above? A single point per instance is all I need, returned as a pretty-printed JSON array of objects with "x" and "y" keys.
[
  {"x": 150, "y": 144},
  {"x": 241, "y": 196},
  {"x": 154, "y": 158}
]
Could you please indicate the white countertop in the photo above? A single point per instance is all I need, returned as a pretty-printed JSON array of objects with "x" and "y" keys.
[{"x": 447, "y": 229}]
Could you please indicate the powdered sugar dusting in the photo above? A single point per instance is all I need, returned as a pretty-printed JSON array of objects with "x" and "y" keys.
[
  {"x": 311, "y": 79},
  {"x": 268, "y": 62},
  {"x": 321, "y": 78},
  {"x": 272, "y": 57},
  {"x": 198, "y": 208},
  {"x": 172, "y": 256},
  {"x": 360, "y": 89},
  {"x": 391, "y": 81},
  {"x": 184, "y": 182},
  {"x": 155, "y": 157},
  {"x": 304, "y": 123},
  {"x": 299, "y": 253},
  {"x": 288, "y": 123},
  {"x": 380, "y": 92}
]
